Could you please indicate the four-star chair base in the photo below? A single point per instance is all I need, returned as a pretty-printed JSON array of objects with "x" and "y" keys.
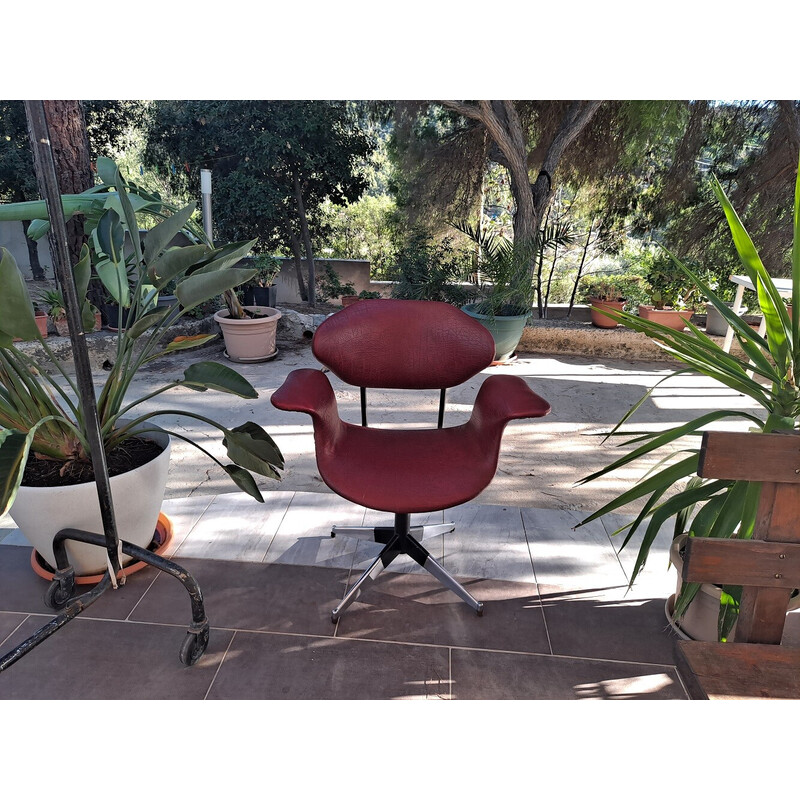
[{"x": 396, "y": 541}]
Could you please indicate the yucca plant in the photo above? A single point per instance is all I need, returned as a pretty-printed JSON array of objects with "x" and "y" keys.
[
  {"x": 40, "y": 417},
  {"x": 767, "y": 374}
]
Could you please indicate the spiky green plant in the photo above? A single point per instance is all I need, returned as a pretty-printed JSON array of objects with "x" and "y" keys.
[{"x": 766, "y": 373}]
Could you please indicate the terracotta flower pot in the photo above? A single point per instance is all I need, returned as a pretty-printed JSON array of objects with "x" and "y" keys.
[
  {"x": 669, "y": 317},
  {"x": 249, "y": 340},
  {"x": 62, "y": 326},
  {"x": 600, "y": 320},
  {"x": 41, "y": 324}
]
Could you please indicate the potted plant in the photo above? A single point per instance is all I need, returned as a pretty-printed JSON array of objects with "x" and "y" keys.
[
  {"x": 505, "y": 287},
  {"x": 766, "y": 373},
  {"x": 261, "y": 290},
  {"x": 433, "y": 270},
  {"x": 249, "y": 331},
  {"x": 608, "y": 291},
  {"x": 53, "y": 301},
  {"x": 44, "y": 446},
  {"x": 330, "y": 287},
  {"x": 671, "y": 294}
]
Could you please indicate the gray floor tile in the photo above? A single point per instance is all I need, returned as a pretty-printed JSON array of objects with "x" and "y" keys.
[
  {"x": 102, "y": 660},
  {"x": 9, "y": 622},
  {"x": 417, "y": 608},
  {"x": 488, "y": 542},
  {"x": 259, "y": 597},
  {"x": 236, "y": 527},
  {"x": 304, "y": 536},
  {"x": 609, "y": 624},
  {"x": 480, "y": 675},
  {"x": 22, "y": 590},
  {"x": 184, "y": 514},
  {"x": 581, "y": 559},
  {"x": 275, "y": 667}
]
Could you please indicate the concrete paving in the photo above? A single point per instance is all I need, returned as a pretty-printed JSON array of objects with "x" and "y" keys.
[{"x": 540, "y": 462}]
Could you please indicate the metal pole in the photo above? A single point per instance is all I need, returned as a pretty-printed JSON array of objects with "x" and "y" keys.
[
  {"x": 205, "y": 192},
  {"x": 40, "y": 139}
]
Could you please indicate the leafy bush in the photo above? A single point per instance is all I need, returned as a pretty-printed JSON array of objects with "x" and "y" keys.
[
  {"x": 430, "y": 270},
  {"x": 610, "y": 286},
  {"x": 329, "y": 285}
]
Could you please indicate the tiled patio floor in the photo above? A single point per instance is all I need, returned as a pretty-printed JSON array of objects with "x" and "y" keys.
[{"x": 558, "y": 620}]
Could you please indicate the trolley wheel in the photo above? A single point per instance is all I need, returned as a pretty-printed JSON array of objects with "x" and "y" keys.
[
  {"x": 58, "y": 594},
  {"x": 194, "y": 645}
]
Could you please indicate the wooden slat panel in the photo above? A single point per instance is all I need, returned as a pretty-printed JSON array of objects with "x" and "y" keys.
[
  {"x": 773, "y": 457},
  {"x": 762, "y": 615},
  {"x": 742, "y": 562},
  {"x": 746, "y": 671}
]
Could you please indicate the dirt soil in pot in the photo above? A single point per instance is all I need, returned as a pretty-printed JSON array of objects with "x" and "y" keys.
[{"x": 132, "y": 453}]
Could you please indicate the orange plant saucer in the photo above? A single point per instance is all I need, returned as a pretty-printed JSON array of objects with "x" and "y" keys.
[{"x": 161, "y": 540}]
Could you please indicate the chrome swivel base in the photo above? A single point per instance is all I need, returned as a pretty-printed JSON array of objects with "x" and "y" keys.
[{"x": 399, "y": 540}]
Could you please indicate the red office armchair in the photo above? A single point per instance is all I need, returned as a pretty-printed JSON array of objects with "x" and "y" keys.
[{"x": 406, "y": 344}]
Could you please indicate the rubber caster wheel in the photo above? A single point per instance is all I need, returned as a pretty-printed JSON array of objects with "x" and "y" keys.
[
  {"x": 194, "y": 645},
  {"x": 479, "y": 610},
  {"x": 334, "y": 618},
  {"x": 57, "y": 595}
]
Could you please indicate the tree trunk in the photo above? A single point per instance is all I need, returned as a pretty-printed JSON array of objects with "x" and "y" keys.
[
  {"x": 580, "y": 268},
  {"x": 504, "y": 126},
  {"x": 301, "y": 210},
  {"x": 67, "y": 129},
  {"x": 298, "y": 262},
  {"x": 33, "y": 253}
]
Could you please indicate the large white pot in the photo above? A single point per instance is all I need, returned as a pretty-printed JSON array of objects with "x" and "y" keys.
[
  {"x": 700, "y": 620},
  {"x": 41, "y": 511}
]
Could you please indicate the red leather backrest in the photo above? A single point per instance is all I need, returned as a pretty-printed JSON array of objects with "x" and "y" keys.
[{"x": 403, "y": 344}]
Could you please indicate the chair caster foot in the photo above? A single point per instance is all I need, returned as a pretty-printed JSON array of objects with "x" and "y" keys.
[
  {"x": 334, "y": 617},
  {"x": 479, "y": 610}
]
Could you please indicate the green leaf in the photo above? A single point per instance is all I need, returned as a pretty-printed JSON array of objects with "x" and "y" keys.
[
  {"x": 775, "y": 314},
  {"x": 227, "y": 256},
  {"x": 174, "y": 263},
  {"x": 663, "y": 480},
  {"x": 38, "y": 229},
  {"x": 162, "y": 234},
  {"x": 250, "y": 446},
  {"x": 16, "y": 309},
  {"x": 14, "y": 447},
  {"x": 244, "y": 480},
  {"x": 114, "y": 278},
  {"x": 147, "y": 321},
  {"x": 198, "y": 288},
  {"x": 211, "y": 375},
  {"x": 110, "y": 236},
  {"x": 83, "y": 273},
  {"x": 107, "y": 171}
]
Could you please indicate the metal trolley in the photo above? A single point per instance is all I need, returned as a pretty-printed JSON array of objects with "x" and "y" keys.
[{"x": 59, "y": 594}]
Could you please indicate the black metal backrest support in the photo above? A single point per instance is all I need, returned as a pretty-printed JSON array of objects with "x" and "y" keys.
[{"x": 440, "y": 421}]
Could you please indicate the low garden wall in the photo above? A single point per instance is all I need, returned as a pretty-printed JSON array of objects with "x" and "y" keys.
[{"x": 574, "y": 338}]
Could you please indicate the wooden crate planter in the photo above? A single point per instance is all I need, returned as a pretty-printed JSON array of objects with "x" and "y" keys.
[{"x": 767, "y": 566}]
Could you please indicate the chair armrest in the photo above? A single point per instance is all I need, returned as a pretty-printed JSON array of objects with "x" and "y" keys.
[
  {"x": 502, "y": 398},
  {"x": 308, "y": 391}
]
